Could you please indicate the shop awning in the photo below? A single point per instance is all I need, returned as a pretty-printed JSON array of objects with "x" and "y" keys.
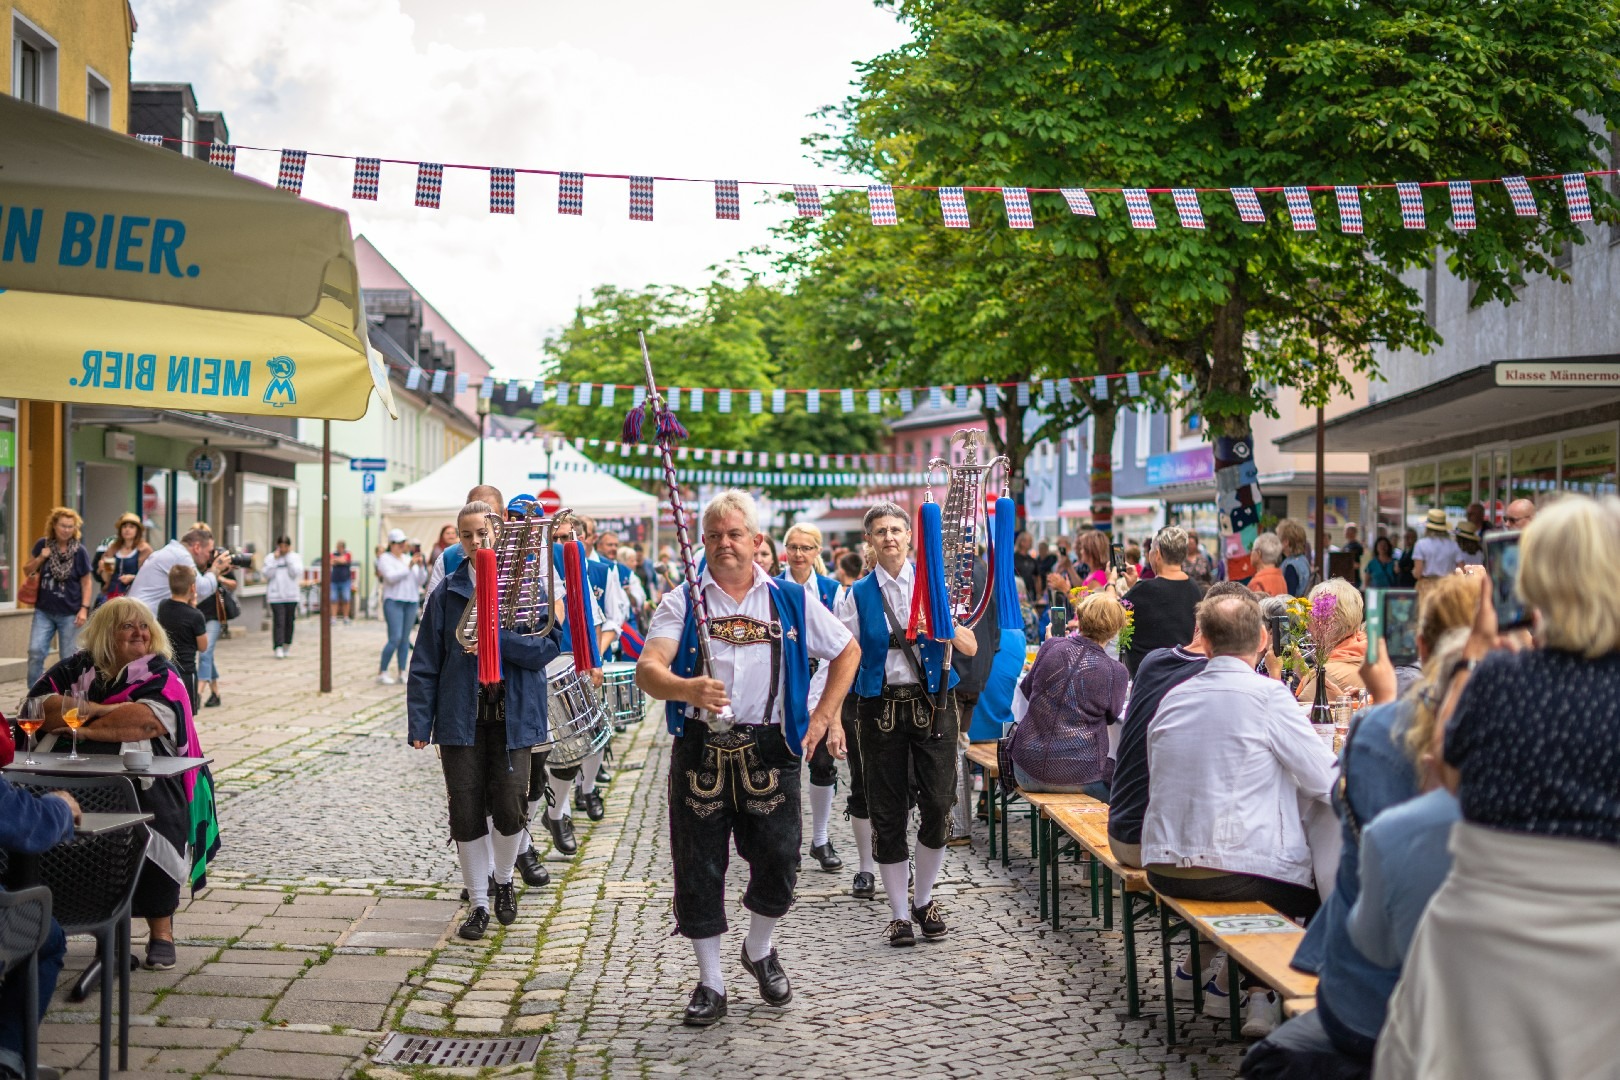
[
  {"x": 220, "y": 433},
  {"x": 1081, "y": 508},
  {"x": 137, "y": 277},
  {"x": 1492, "y": 396}
]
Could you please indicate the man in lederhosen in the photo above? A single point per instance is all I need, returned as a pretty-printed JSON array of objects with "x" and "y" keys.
[
  {"x": 906, "y": 723},
  {"x": 741, "y": 784}
]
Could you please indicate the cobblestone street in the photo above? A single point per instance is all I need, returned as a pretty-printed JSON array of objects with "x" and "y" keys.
[{"x": 330, "y": 914}]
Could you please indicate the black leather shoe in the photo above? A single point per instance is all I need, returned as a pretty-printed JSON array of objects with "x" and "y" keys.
[
  {"x": 603, "y": 776},
  {"x": 773, "y": 981},
  {"x": 865, "y": 887},
  {"x": 533, "y": 871},
  {"x": 473, "y": 928},
  {"x": 900, "y": 934},
  {"x": 466, "y": 896},
  {"x": 704, "y": 1008},
  {"x": 505, "y": 903},
  {"x": 591, "y": 803},
  {"x": 827, "y": 857},
  {"x": 929, "y": 922},
  {"x": 562, "y": 833}
]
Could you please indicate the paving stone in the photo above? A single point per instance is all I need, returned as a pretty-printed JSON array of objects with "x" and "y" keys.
[
  {"x": 378, "y": 940},
  {"x": 349, "y": 1014},
  {"x": 269, "y": 1063},
  {"x": 374, "y": 993},
  {"x": 306, "y": 1042},
  {"x": 211, "y": 1007},
  {"x": 366, "y": 968},
  {"x": 233, "y": 985}
]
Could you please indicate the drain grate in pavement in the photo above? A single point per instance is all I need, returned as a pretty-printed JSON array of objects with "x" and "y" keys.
[{"x": 398, "y": 1049}]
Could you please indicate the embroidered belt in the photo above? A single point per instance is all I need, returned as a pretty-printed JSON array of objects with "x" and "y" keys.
[
  {"x": 742, "y": 630},
  {"x": 908, "y": 692}
]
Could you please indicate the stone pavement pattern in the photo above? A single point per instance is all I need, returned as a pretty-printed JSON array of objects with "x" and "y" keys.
[{"x": 330, "y": 917}]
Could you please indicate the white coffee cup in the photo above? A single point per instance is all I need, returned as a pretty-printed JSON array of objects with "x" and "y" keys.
[{"x": 137, "y": 759}]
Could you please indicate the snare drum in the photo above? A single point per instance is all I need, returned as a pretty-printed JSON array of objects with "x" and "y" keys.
[
  {"x": 578, "y": 724},
  {"x": 620, "y": 693}
]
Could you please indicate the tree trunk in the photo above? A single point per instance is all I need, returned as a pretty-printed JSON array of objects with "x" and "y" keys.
[
  {"x": 1104, "y": 420},
  {"x": 1227, "y": 394},
  {"x": 1005, "y": 425}
]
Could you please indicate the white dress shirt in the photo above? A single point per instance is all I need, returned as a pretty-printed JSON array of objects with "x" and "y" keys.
[
  {"x": 402, "y": 580},
  {"x": 746, "y": 669},
  {"x": 151, "y": 584},
  {"x": 1233, "y": 764},
  {"x": 897, "y": 591}
]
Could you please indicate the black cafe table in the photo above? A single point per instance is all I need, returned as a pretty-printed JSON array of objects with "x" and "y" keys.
[{"x": 57, "y": 764}]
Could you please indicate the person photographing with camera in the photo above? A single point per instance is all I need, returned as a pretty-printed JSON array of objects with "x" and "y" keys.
[
  {"x": 195, "y": 548},
  {"x": 403, "y": 574}
]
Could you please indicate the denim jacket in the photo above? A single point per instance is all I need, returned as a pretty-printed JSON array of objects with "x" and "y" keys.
[
  {"x": 29, "y": 823},
  {"x": 441, "y": 692}
]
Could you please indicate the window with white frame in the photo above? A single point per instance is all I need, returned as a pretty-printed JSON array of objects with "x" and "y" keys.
[
  {"x": 33, "y": 63},
  {"x": 1071, "y": 451},
  {"x": 97, "y": 99},
  {"x": 1144, "y": 434},
  {"x": 1117, "y": 450}
]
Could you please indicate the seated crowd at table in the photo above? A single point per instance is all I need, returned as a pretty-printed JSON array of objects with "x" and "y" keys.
[{"x": 1456, "y": 863}]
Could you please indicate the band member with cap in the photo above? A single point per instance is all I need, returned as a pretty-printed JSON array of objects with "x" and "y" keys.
[
  {"x": 740, "y": 783},
  {"x": 906, "y": 727},
  {"x": 484, "y": 732},
  {"x": 802, "y": 548},
  {"x": 608, "y": 589}
]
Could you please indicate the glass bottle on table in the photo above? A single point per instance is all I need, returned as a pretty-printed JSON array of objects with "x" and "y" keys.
[
  {"x": 29, "y": 718},
  {"x": 73, "y": 719}
]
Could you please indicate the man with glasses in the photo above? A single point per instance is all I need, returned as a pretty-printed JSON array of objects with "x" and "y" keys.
[
  {"x": 1518, "y": 514},
  {"x": 907, "y": 726}
]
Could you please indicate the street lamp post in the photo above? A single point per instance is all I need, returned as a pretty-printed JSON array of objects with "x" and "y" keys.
[{"x": 483, "y": 418}]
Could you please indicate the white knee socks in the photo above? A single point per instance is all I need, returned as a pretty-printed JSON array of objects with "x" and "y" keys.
[
  {"x": 894, "y": 885},
  {"x": 821, "y": 800},
  {"x": 474, "y": 858},
  {"x": 587, "y": 772},
  {"x": 758, "y": 941},
  {"x": 534, "y": 819},
  {"x": 708, "y": 958},
  {"x": 562, "y": 793},
  {"x": 506, "y": 850},
  {"x": 863, "y": 843},
  {"x": 929, "y": 860}
]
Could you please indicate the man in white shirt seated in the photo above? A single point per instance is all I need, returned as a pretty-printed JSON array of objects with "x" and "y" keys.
[{"x": 1233, "y": 762}]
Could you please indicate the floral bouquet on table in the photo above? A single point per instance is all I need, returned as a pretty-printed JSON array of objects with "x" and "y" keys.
[
  {"x": 1319, "y": 620},
  {"x": 1126, "y": 632}
]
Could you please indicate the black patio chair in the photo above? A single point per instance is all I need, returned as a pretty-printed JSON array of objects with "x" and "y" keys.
[
  {"x": 92, "y": 884},
  {"x": 25, "y": 923}
]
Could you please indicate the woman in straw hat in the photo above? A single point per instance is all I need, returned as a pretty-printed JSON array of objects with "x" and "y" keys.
[{"x": 1437, "y": 554}]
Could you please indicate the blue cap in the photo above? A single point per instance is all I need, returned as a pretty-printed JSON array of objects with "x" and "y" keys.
[{"x": 519, "y": 503}]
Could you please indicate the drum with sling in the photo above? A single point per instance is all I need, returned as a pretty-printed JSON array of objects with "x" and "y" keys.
[
  {"x": 578, "y": 723},
  {"x": 621, "y": 695}
]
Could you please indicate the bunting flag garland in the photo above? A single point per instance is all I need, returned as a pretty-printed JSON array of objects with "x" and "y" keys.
[
  {"x": 812, "y": 401},
  {"x": 151, "y": 140},
  {"x": 607, "y": 395},
  {"x": 874, "y": 401},
  {"x": 1518, "y": 189},
  {"x": 1349, "y": 200},
  {"x": 1022, "y": 394},
  {"x": 992, "y": 396},
  {"x": 880, "y": 201},
  {"x": 725, "y": 401},
  {"x": 846, "y": 399},
  {"x": 727, "y": 202},
  {"x": 429, "y": 184},
  {"x": 1187, "y": 208},
  {"x": 222, "y": 155},
  {"x": 953, "y": 206},
  {"x": 641, "y": 198},
  {"x": 1248, "y": 205},
  {"x": 756, "y": 402},
  {"x": 1462, "y": 204},
  {"x": 1079, "y": 202},
  {"x": 1140, "y": 209},
  {"x": 502, "y": 191},
  {"x": 367, "y": 175},
  {"x": 1300, "y": 211},
  {"x": 1579, "y": 199},
  {"x": 807, "y": 200},
  {"x": 461, "y": 382},
  {"x": 1099, "y": 388},
  {"x": 1133, "y": 384},
  {"x": 486, "y": 389},
  {"x": 778, "y": 401},
  {"x": 905, "y": 400},
  {"x": 290, "y": 176},
  {"x": 1019, "y": 213},
  {"x": 571, "y": 193},
  {"x": 438, "y": 380},
  {"x": 512, "y": 392},
  {"x": 1411, "y": 196},
  {"x": 413, "y": 378},
  {"x": 936, "y": 397}
]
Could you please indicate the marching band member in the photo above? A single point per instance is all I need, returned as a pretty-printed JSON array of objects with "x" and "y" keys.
[
  {"x": 608, "y": 589},
  {"x": 741, "y": 783},
  {"x": 804, "y": 566},
  {"x": 907, "y": 728},
  {"x": 483, "y": 731}
]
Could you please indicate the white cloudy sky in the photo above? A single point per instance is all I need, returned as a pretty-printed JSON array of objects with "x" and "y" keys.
[{"x": 703, "y": 88}]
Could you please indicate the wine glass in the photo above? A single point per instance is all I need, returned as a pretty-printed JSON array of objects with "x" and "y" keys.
[
  {"x": 72, "y": 718},
  {"x": 29, "y": 719}
]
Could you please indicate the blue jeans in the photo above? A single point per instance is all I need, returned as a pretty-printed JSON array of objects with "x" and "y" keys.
[
  {"x": 12, "y": 996},
  {"x": 400, "y": 615},
  {"x": 206, "y": 669},
  {"x": 44, "y": 628},
  {"x": 342, "y": 592},
  {"x": 1096, "y": 789}
]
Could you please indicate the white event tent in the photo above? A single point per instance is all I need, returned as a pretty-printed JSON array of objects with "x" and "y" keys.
[{"x": 516, "y": 466}]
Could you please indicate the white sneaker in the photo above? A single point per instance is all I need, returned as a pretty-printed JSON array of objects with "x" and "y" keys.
[
  {"x": 385, "y": 678},
  {"x": 1262, "y": 1015},
  {"x": 281, "y": 652},
  {"x": 1217, "y": 1002},
  {"x": 1184, "y": 981}
]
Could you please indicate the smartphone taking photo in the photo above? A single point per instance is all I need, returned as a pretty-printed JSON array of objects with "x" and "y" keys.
[
  {"x": 1060, "y": 622},
  {"x": 1502, "y": 564},
  {"x": 1392, "y": 617}
]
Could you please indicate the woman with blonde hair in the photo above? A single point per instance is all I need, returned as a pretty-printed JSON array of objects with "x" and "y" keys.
[
  {"x": 802, "y": 562},
  {"x": 129, "y": 696},
  {"x": 1066, "y": 702},
  {"x": 1346, "y": 644},
  {"x": 1296, "y": 549},
  {"x": 60, "y": 571}
]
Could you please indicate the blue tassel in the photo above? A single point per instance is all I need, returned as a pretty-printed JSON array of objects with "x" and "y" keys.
[
  {"x": 941, "y": 626},
  {"x": 631, "y": 432},
  {"x": 669, "y": 428},
  {"x": 1005, "y": 585}
]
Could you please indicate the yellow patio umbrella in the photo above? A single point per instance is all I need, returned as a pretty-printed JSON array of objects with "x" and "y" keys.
[{"x": 131, "y": 275}]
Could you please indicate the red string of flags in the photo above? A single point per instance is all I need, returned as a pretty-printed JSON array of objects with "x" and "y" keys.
[
  {"x": 750, "y": 458},
  {"x": 953, "y": 204},
  {"x": 763, "y": 476},
  {"x": 697, "y": 399}
]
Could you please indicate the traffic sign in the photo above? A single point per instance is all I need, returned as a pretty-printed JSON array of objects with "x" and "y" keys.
[
  {"x": 550, "y": 502},
  {"x": 368, "y": 482},
  {"x": 368, "y": 464},
  {"x": 368, "y": 505}
]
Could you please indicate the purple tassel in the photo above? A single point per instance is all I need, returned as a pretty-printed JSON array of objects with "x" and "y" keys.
[
  {"x": 632, "y": 425},
  {"x": 669, "y": 428}
]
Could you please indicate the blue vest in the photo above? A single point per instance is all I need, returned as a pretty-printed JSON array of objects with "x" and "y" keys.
[
  {"x": 826, "y": 587},
  {"x": 874, "y": 641},
  {"x": 625, "y": 574},
  {"x": 787, "y": 600}
]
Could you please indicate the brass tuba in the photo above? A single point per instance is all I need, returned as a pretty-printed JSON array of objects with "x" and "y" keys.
[
  {"x": 522, "y": 554},
  {"x": 961, "y": 519}
]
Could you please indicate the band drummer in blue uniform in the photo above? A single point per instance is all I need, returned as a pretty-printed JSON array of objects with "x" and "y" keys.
[{"x": 741, "y": 783}]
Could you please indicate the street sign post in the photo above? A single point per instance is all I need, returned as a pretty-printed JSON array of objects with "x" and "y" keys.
[
  {"x": 550, "y": 502},
  {"x": 368, "y": 464},
  {"x": 368, "y": 483}
]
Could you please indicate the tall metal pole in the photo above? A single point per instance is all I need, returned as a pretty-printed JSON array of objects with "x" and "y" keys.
[
  {"x": 326, "y": 556},
  {"x": 1321, "y": 494}
]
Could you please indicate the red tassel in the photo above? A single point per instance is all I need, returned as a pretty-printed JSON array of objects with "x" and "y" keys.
[
  {"x": 578, "y": 592},
  {"x": 488, "y": 591},
  {"x": 919, "y": 587}
]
